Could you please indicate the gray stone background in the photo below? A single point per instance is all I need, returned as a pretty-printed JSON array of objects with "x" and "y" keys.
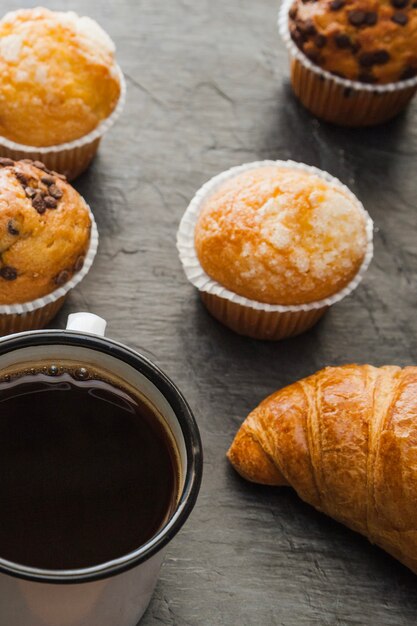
[{"x": 207, "y": 89}]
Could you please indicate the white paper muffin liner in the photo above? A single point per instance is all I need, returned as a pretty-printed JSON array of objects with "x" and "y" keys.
[
  {"x": 73, "y": 157},
  {"x": 36, "y": 313},
  {"x": 210, "y": 288},
  {"x": 296, "y": 53}
]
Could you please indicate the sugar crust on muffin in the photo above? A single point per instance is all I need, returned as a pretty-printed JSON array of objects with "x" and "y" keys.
[
  {"x": 372, "y": 41},
  {"x": 281, "y": 236},
  {"x": 58, "y": 76},
  {"x": 44, "y": 231}
]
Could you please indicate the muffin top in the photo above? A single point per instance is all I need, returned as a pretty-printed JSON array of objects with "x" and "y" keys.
[
  {"x": 44, "y": 231},
  {"x": 58, "y": 77},
  {"x": 372, "y": 41},
  {"x": 281, "y": 236}
]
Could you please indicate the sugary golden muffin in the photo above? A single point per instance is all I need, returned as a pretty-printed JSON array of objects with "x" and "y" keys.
[
  {"x": 281, "y": 236},
  {"x": 44, "y": 231},
  {"x": 58, "y": 77},
  {"x": 373, "y": 41}
]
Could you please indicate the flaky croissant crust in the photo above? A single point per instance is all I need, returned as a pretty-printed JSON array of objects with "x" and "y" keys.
[{"x": 346, "y": 440}]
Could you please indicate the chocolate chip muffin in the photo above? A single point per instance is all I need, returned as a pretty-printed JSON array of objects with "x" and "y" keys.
[
  {"x": 44, "y": 231},
  {"x": 371, "y": 41},
  {"x": 58, "y": 76}
]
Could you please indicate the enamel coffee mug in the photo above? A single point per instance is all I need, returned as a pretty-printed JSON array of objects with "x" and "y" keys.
[{"x": 116, "y": 592}]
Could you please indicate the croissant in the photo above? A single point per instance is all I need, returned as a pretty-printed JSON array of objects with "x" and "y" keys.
[{"x": 346, "y": 440}]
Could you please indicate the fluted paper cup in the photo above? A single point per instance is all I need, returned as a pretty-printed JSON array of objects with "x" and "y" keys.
[
  {"x": 245, "y": 316},
  {"x": 37, "y": 313},
  {"x": 339, "y": 100},
  {"x": 71, "y": 158}
]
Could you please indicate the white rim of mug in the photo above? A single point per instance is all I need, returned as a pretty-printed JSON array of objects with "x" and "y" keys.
[
  {"x": 39, "y": 303},
  {"x": 98, "y": 132},
  {"x": 295, "y": 52},
  {"x": 202, "y": 281}
]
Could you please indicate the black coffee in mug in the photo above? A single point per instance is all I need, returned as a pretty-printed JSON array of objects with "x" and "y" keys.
[{"x": 89, "y": 469}]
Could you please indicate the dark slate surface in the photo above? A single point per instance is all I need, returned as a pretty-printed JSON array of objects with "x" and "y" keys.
[{"x": 208, "y": 89}]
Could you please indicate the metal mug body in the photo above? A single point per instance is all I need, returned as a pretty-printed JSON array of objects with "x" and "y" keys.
[
  {"x": 117, "y": 592},
  {"x": 120, "y": 599}
]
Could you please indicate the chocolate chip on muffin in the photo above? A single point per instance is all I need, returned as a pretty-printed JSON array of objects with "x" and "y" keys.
[
  {"x": 50, "y": 202},
  {"x": 48, "y": 180},
  {"x": 79, "y": 263},
  {"x": 400, "y": 18},
  {"x": 371, "y": 18},
  {"x": 5, "y": 162},
  {"x": 307, "y": 28},
  {"x": 377, "y": 57},
  {"x": 293, "y": 11},
  {"x": 39, "y": 165},
  {"x": 38, "y": 203},
  {"x": 409, "y": 72},
  {"x": 366, "y": 77},
  {"x": 320, "y": 41},
  {"x": 311, "y": 54},
  {"x": 55, "y": 192},
  {"x": 342, "y": 40},
  {"x": 62, "y": 278},
  {"x": 22, "y": 178},
  {"x": 59, "y": 175},
  {"x": 8, "y": 273},
  {"x": 30, "y": 192},
  {"x": 357, "y": 18},
  {"x": 12, "y": 229},
  {"x": 336, "y": 5}
]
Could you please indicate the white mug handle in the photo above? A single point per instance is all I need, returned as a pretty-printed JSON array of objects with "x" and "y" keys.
[{"x": 87, "y": 323}]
